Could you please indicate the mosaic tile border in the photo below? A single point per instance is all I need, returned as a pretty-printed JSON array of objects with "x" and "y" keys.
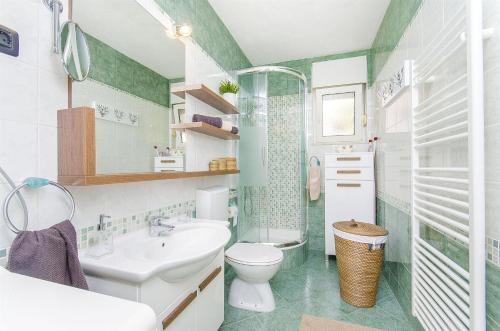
[
  {"x": 402, "y": 205},
  {"x": 85, "y": 237},
  {"x": 492, "y": 244},
  {"x": 123, "y": 225},
  {"x": 493, "y": 250}
]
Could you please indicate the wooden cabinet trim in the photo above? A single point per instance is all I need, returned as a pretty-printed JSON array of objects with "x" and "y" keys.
[
  {"x": 179, "y": 309},
  {"x": 348, "y": 171},
  {"x": 349, "y": 158},
  {"x": 348, "y": 185},
  {"x": 210, "y": 278}
]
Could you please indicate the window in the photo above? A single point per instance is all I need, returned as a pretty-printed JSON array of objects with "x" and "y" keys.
[{"x": 338, "y": 115}]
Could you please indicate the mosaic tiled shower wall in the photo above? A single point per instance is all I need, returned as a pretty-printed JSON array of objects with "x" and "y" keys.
[
  {"x": 284, "y": 141},
  {"x": 277, "y": 200}
]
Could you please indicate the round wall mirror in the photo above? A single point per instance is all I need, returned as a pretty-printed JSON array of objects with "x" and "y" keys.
[{"x": 74, "y": 50}]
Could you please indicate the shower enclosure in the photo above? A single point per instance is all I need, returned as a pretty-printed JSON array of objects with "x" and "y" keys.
[{"x": 272, "y": 157}]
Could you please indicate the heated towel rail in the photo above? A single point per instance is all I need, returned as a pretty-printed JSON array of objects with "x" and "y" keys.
[{"x": 448, "y": 216}]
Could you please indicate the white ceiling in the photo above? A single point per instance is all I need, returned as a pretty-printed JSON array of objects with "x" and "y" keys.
[
  {"x": 271, "y": 31},
  {"x": 130, "y": 29}
]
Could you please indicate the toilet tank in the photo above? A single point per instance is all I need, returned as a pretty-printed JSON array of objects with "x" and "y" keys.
[{"x": 212, "y": 203}]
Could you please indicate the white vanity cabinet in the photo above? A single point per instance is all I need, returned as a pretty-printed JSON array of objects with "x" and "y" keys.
[
  {"x": 195, "y": 303},
  {"x": 349, "y": 191}
]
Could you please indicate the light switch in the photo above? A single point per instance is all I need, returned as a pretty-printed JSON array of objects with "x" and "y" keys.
[{"x": 9, "y": 41}]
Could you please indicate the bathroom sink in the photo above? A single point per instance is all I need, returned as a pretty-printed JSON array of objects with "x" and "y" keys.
[{"x": 137, "y": 256}]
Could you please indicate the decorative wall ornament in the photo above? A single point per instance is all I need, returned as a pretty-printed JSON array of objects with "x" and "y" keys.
[
  {"x": 389, "y": 90},
  {"x": 105, "y": 112}
]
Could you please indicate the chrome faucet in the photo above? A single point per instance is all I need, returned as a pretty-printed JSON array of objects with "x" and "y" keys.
[{"x": 159, "y": 226}]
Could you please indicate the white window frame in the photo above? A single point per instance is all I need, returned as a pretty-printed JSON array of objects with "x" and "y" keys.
[{"x": 359, "y": 114}]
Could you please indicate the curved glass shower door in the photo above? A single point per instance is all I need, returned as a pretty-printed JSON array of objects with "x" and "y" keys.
[{"x": 272, "y": 157}]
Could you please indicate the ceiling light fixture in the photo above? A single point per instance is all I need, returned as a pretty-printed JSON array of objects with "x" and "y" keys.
[
  {"x": 179, "y": 30},
  {"x": 183, "y": 30}
]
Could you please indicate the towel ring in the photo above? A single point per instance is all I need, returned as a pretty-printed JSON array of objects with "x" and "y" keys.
[
  {"x": 314, "y": 157},
  {"x": 33, "y": 182}
]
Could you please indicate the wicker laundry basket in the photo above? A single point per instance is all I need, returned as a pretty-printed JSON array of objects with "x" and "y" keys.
[{"x": 360, "y": 252}]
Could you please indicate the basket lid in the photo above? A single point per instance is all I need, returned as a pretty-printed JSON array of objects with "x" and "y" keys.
[{"x": 361, "y": 228}]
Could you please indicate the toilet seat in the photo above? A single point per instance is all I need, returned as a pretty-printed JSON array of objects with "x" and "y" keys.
[{"x": 254, "y": 254}]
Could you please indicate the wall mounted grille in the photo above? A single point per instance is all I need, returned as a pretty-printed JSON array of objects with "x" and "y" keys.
[{"x": 448, "y": 177}]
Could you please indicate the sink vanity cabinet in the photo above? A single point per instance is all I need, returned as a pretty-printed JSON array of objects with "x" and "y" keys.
[{"x": 194, "y": 303}]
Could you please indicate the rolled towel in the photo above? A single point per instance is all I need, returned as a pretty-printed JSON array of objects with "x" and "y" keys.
[
  {"x": 214, "y": 121},
  {"x": 227, "y": 126},
  {"x": 234, "y": 130}
]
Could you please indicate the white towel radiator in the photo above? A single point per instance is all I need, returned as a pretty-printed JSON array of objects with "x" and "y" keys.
[{"x": 448, "y": 176}]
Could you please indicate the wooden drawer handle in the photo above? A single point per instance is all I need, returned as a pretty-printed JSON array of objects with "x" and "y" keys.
[
  {"x": 349, "y": 158},
  {"x": 348, "y": 171},
  {"x": 179, "y": 309},
  {"x": 167, "y": 161},
  {"x": 209, "y": 279},
  {"x": 348, "y": 185}
]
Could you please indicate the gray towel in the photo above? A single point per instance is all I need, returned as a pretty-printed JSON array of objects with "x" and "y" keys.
[
  {"x": 49, "y": 254},
  {"x": 214, "y": 121}
]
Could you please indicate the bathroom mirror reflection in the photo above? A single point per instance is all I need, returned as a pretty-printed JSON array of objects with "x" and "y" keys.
[
  {"x": 134, "y": 64},
  {"x": 74, "y": 50}
]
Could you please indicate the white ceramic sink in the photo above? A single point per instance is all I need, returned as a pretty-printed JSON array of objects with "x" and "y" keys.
[{"x": 137, "y": 256}]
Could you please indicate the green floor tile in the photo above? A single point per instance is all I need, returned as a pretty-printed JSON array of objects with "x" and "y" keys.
[
  {"x": 281, "y": 319},
  {"x": 313, "y": 289},
  {"x": 250, "y": 324}
]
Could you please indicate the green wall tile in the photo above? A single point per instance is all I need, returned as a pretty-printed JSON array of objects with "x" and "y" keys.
[
  {"x": 492, "y": 296},
  {"x": 208, "y": 31},
  {"x": 124, "y": 76},
  {"x": 115, "y": 69},
  {"x": 397, "y": 17},
  {"x": 397, "y": 272}
]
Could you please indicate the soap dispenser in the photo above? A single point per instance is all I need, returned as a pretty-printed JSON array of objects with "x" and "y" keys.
[{"x": 103, "y": 243}]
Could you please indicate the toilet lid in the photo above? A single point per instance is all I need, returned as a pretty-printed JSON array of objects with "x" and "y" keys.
[{"x": 254, "y": 253}]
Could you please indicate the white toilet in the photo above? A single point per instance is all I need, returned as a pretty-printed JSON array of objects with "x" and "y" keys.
[{"x": 254, "y": 264}]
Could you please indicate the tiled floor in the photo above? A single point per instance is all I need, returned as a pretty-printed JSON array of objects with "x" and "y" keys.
[{"x": 313, "y": 289}]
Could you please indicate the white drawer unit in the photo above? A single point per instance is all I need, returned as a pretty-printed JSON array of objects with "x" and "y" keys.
[
  {"x": 349, "y": 191},
  {"x": 346, "y": 160},
  {"x": 169, "y": 163},
  {"x": 349, "y": 173}
]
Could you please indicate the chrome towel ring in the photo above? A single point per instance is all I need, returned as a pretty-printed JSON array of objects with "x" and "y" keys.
[
  {"x": 33, "y": 182},
  {"x": 317, "y": 160}
]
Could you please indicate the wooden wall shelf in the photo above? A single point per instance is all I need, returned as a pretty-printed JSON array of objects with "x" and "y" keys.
[
  {"x": 77, "y": 154},
  {"x": 137, "y": 177},
  {"x": 207, "y": 129},
  {"x": 205, "y": 94}
]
